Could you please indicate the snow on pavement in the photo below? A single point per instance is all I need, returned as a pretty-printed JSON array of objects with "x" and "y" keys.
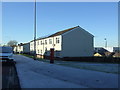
[{"x": 36, "y": 74}]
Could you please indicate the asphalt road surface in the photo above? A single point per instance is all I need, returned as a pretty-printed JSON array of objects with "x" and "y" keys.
[{"x": 9, "y": 76}]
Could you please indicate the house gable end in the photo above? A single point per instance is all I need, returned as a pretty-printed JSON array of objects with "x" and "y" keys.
[{"x": 79, "y": 29}]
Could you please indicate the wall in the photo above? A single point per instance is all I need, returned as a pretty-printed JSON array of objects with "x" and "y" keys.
[
  {"x": 19, "y": 49},
  {"x": 15, "y": 49},
  {"x": 77, "y": 43},
  {"x": 44, "y": 49},
  {"x": 32, "y": 47},
  {"x": 26, "y": 48}
]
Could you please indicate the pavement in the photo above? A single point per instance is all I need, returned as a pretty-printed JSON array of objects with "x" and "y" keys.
[{"x": 37, "y": 74}]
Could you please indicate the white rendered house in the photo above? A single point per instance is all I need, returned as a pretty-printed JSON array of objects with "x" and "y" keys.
[
  {"x": 22, "y": 48},
  {"x": 72, "y": 42},
  {"x": 15, "y": 49}
]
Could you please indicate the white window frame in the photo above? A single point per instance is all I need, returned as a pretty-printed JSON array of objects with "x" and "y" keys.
[{"x": 50, "y": 41}]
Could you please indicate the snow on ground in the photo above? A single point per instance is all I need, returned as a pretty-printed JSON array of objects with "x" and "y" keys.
[{"x": 36, "y": 74}]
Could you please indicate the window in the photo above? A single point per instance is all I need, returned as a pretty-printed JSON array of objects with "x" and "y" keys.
[
  {"x": 46, "y": 42},
  {"x": 38, "y": 42},
  {"x": 50, "y": 41},
  {"x": 57, "y": 40},
  {"x": 38, "y": 51},
  {"x": 41, "y": 51},
  {"x": 41, "y": 42}
]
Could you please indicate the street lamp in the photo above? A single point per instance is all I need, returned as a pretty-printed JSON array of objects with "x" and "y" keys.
[
  {"x": 35, "y": 30},
  {"x": 105, "y": 42},
  {"x": 106, "y": 45}
]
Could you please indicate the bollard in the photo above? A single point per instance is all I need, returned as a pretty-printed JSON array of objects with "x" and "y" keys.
[{"x": 52, "y": 55}]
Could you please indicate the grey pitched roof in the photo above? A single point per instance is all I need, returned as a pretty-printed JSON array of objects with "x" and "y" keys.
[
  {"x": 56, "y": 34},
  {"x": 60, "y": 33}
]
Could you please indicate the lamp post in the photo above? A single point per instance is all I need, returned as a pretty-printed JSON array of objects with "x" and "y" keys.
[
  {"x": 106, "y": 45},
  {"x": 105, "y": 42},
  {"x": 35, "y": 30}
]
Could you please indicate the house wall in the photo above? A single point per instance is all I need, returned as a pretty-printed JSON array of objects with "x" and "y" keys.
[
  {"x": 116, "y": 49},
  {"x": 43, "y": 48},
  {"x": 26, "y": 48},
  {"x": 19, "y": 49},
  {"x": 77, "y": 43},
  {"x": 32, "y": 47},
  {"x": 97, "y": 54},
  {"x": 110, "y": 49},
  {"x": 15, "y": 49}
]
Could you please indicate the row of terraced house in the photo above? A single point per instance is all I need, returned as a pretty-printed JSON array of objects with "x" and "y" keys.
[{"x": 72, "y": 42}]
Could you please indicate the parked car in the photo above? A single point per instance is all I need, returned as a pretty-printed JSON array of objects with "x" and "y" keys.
[{"x": 6, "y": 54}]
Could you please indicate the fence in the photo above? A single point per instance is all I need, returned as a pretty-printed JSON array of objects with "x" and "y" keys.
[{"x": 88, "y": 59}]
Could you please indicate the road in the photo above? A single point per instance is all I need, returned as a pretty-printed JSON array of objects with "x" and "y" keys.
[
  {"x": 37, "y": 74},
  {"x": 9, "y": 76}
]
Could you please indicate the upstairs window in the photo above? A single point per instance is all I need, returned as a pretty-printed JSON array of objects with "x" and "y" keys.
[
  {"x": 57, "y": 40},
  {"x": 41, "y": 43},
  {"x": 46, "y": 42},
  {"x": 50, "y": 41},
  {"x": 38, "y": 42}
]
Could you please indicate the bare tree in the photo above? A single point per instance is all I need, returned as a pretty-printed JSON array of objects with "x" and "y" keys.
[{"x": 12, "y": 43}]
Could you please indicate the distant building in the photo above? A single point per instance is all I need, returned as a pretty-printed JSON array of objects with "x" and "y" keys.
[
  {"x": 116, "y": 49},
  {"x": 18, "y": 48},
  {"x": 108, "y": 52},
  {"x": 117, "y": 54},
  {"x": 26, "y": 48},
  {"x": 15, "y": 49},
  {"x": 113, "y": 49},
  {"x": 98, "y": 54},
  {"x": 22, "y": 48},
  {"x": 72, "y": 42},
  {"x": 99, "y": 50}
]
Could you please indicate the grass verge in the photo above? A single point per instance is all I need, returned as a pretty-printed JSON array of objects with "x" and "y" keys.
[{"x": 93, "y": 68}]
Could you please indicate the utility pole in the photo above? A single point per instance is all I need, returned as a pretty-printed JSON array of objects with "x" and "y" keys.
[{"x": 35, "y": 30}]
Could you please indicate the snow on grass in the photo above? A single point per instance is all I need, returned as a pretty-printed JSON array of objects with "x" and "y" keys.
[{"x": 36, "y": 74}]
